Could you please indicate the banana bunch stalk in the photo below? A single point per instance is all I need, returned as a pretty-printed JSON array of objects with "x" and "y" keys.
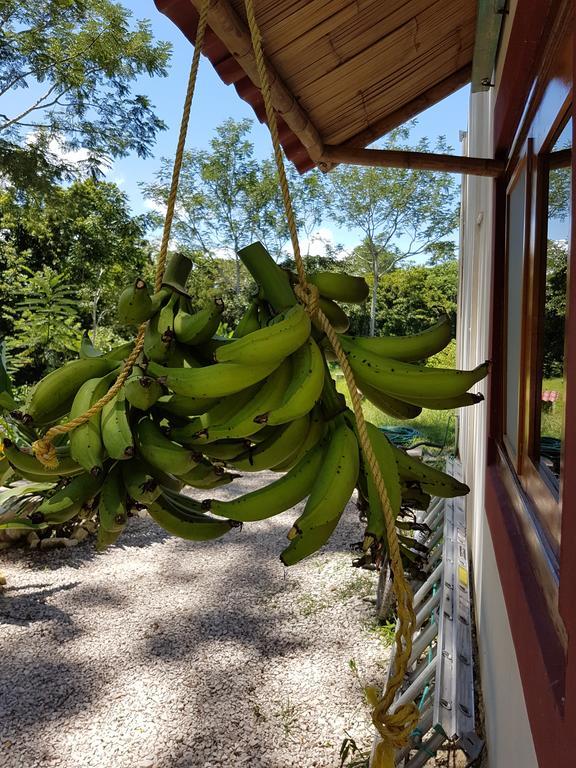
[{"x": 198, "y": 410}]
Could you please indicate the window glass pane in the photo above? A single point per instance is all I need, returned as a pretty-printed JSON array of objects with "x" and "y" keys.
[
  {"x": 553, "y": 327},
  {"x": 516, "y": 203}
]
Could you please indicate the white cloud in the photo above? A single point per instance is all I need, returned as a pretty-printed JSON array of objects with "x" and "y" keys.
[
  {"x": 317, "y": 243},
  {"x": 57, "y": 148},
  {"x": 153, "y": 205}
]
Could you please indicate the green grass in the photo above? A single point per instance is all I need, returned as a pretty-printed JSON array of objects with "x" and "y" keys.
[
  {"x": 433, "y": 426},
  {"x": 552, "y": 424}
]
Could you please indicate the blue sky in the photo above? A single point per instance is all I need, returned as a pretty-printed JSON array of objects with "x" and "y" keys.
[{"x": 214, "y": 102}]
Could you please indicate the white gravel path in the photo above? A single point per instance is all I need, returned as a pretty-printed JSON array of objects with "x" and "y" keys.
[{"x": 161, "y": 653}]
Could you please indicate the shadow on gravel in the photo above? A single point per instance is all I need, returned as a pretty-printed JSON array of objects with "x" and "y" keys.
[
  {"x": 33, "y": 692},
  {"x": 23, "y": 609}
]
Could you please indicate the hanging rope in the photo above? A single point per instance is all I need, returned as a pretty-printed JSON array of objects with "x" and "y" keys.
[
  {"x": 394, "y": 728},
  {"x": 43, "y": 448}
]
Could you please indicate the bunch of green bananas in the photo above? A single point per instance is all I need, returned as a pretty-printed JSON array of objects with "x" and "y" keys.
[{"x": 199, "y": 409}]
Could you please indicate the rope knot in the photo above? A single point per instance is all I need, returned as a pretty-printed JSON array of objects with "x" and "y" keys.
[
  {"x": 309, "y": 295},
  {"x": 395, "y": 727},
  {"x": 45, "y": 453}
]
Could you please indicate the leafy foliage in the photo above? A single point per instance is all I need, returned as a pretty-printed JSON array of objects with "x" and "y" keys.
[
  {"x": 77, "y": 61},
  {"x": 85, "y": 231},
  {"x": 401, "y": 213},
  {"x": 46, "y": 326}
]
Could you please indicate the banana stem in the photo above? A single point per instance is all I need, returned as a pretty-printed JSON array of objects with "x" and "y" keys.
[
  {"x": 177, "y": 271},
  {"x": 269, "y": 276}
]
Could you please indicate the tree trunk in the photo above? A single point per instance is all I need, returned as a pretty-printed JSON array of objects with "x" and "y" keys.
[
  {"x": 373, "y": 304},
  {"x": 237, "y": 271}
]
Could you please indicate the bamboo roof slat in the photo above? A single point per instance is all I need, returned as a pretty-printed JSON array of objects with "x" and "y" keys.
[{"x": 343, "y": 71}]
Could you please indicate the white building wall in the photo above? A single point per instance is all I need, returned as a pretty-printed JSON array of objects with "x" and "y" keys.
[{"x": 508, "y": 736}]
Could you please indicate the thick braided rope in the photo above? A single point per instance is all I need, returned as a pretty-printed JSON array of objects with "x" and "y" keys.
[
  {"x": 43, "y": 448},
  {"x": 395, "y": 727}
]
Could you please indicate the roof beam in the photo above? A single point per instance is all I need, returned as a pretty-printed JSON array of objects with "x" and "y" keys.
[
  {"x": 421, "y": 161},
  {"x": 235, "y": 35}
]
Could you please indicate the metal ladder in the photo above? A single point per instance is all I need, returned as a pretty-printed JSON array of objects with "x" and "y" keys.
[{"x": 440, "y": 677}]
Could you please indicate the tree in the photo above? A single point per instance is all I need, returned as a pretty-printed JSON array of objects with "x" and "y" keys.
[
  {"x": 555, "y": 308},
  {"x": 85, "y": 231},
  {"x": 227, "y": 199},
  {"x": 400, "y": 213},
  {"x": 217, "y": 195},
  {"x": 411, "y": 299},
  {"x": 76, "y": 61},
  {"x": 46, "y": 322}
]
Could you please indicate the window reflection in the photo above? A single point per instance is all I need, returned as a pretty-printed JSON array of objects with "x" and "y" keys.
[{"x": 553, "y": 328}]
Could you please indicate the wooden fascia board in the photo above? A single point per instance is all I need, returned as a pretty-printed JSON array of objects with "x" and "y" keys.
[{"x": 489, "y": 20}]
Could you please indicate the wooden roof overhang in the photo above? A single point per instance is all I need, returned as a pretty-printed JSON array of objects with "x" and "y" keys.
[{"x": 343, "y": 72}]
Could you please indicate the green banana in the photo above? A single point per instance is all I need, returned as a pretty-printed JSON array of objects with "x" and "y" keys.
[
  {"x": 52, "y": 397},
  {"x": 315, "y": 433},
  {"x": 276, "y": 449},
  {"x": 87, "y": 349},
  {"x": 244, "y": 423},
  {"x": 165, "y": 479},
  {"x": 340, "y": 286},
  {"x": 338, "y": 319},
  {"x": 180, "y": 405},
  {"x": 305, "y": 386},
  {"x": 276, "y": 497},
  {"x": 208, "y": 476},
  {"x": 225, "y": 450},
  {"x": 182, "y": 357},
  {"x": 134, "y": 304},
  {"x": 441, "y": 404},
  {"x": 5, "y": 468},
  {"x": 376, "y": 524},
  {"x": 112, "y": 505},
  {"x": 413, "y": 496},
  {"x": 431, "y": 480},
  {"x": 166, "y": 321},
  {"x": 161, "y": 452},
  {"x": 26, "y": 465},
  {"x": 329, "y": 495},
  {"x": 223, "y": 410},
  {"x": 192, "y": 527},
  {"x": 115, "y": 427},
  {"x": 216, "y": 380},
  {"x": 393, "y": 406},
  {"x": 86, "y": 443},
  {"x": 275, "y": 342},
  {"x": 142, "y": 391},
  {"x": 404, "y": 380},
  {"x": 249, "y": 321},
  {"x": 410, "y": 348},
  {"x": 119, "y": 353},
  {"x": 197, "y": 328},
  {"x": 67, "y": 502},
  {"x": 139, "y": 483},
  {"x": 157, "y": 346}
]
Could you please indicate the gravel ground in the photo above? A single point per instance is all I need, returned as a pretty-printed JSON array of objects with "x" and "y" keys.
[{"x": 162, "y": 652}]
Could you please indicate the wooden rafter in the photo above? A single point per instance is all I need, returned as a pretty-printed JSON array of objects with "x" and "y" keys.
[
  {"x": 234, "y": 33},
  {"x": 421, "y": 161}
]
